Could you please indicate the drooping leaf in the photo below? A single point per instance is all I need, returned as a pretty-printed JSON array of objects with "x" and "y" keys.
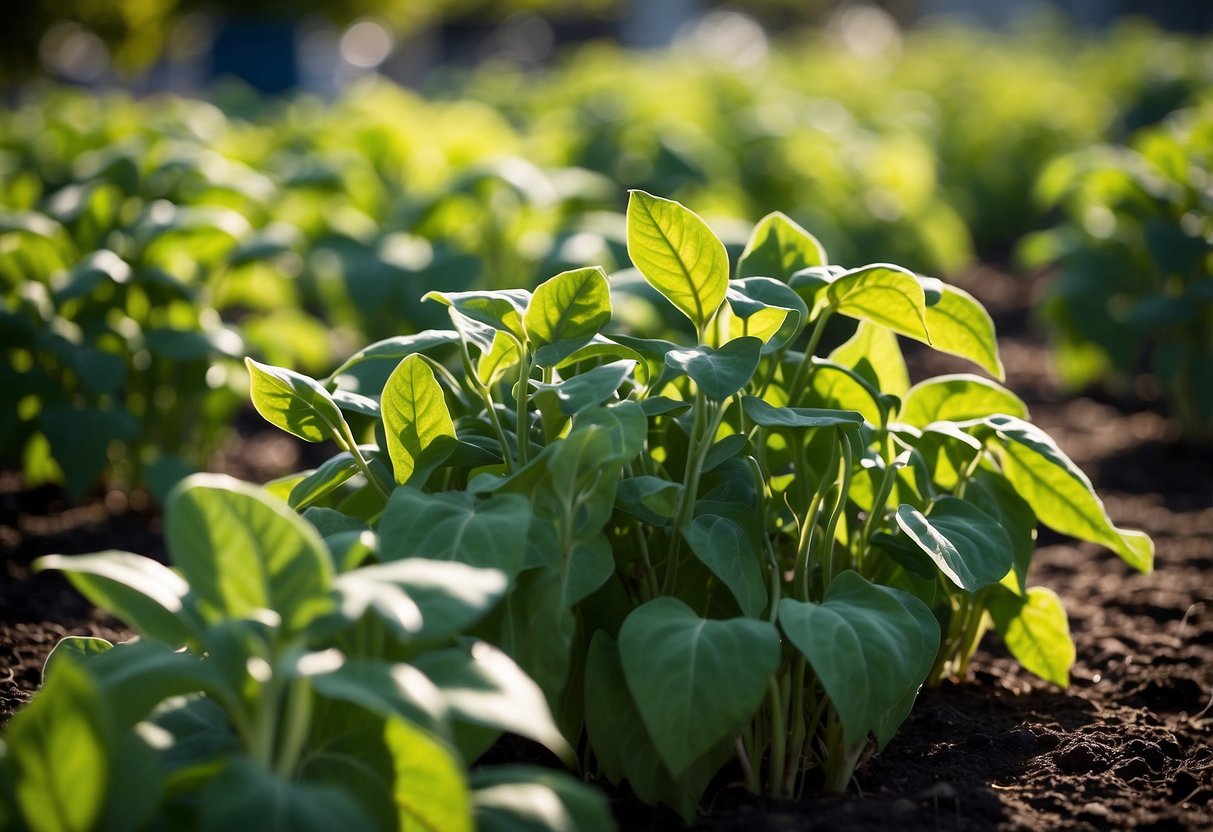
[
  {"x": 968, "y": 545},
  {"x": 295, "y": 403},
  {"x": 678, "y": 255},
  {"x": 483, "y": 686},
  {"x": 778, "y": 248},
  {"x": 768, "y": 415},
  {"x": 566, "y": 312},
  {"x": 871, "y": 647},
  {"x": 447, "y": 597},
  {"x": 1036, "y": 631},
  {"x": 883, "y": 294},
  {"x": 767, "y": 309},
  {"x": 243, "y": 551},
  {"x": 958, "y": 398},
  {"x": 721, "y": 372},
  {"x": 960, "y": 326},
  {"x": 1060, "y": 494},
  {"x": 145, "y": 594},
  {"x": 420, "y": 432},
  {"x": 695, "y": 681},
  {"x": 730, "y": 552},
  {"x": 501, "y": 310}
]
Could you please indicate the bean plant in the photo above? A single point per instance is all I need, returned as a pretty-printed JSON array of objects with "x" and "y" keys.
[
  {"x": 1135, "y": 294},
  {"x": 743, "y": 547},
  {"x": 286, "y": 675}
]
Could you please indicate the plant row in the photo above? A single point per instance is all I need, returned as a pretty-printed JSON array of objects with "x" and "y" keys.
[{"x": 735, "y": 550}]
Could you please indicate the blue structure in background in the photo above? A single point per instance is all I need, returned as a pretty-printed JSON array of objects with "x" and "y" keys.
[{"x": 261, "y": 52}]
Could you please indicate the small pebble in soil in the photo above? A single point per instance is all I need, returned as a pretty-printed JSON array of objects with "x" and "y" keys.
[
  {"x": 1132, "y": 769},
  {"x": 1079, "y": 758}
]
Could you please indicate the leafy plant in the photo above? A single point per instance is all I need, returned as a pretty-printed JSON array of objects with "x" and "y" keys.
[
  {"x": 737, "y": 548},
  {"x": 282, "y": 679},
  {"x": 1135, "y": 294}
]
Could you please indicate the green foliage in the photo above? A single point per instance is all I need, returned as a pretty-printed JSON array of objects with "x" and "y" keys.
[
  {"x": 731, "y": 546},
  {"x": 1134, "y": 300},
  {"x": 273, "y": 687}
]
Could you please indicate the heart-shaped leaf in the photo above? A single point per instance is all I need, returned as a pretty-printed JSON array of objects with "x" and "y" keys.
[
  {"x": 730, "y": 552},
  {"x": 778, "y": 247},
  {"x": 565, "y": 312},
  {"x": 695, "y": 681},
  {"x": 871, "y": 647},
  {"x": 721, "y": 372}
]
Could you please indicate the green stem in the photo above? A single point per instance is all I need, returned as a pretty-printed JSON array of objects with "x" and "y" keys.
[
  {"x": 806, "y": 364},
  {"x": 839, "y": 507},
  {"x": 298, "y": 723},
  {"x": 778, "y": 738},
  {"x": 696, "y": 451},
  {"x": 522, "y": 395},
  {"x": 351, "y": 445}
]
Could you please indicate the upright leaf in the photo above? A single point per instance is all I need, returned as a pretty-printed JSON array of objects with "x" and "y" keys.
[
  {"x": 873, "y": 353},
  {"x": 566, "y": 312},
  {"x": 678, "y": 254},
  {"x": 430, "y": 788},
  {"x": 415, "y": 416},
  {"x": 57, "y": 747},
  {"x": 695, "y": 681},
  {"x": 778, "y": 247}
]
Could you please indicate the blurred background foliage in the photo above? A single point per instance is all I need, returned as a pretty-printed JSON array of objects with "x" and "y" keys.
[{"x": 163, "y": 212}]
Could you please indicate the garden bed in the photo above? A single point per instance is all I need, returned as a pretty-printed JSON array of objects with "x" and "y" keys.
[{"x": 1126, "y": 745}]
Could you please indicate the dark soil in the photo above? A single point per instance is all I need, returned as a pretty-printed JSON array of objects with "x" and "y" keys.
[{"x": 1127, "y": 745}]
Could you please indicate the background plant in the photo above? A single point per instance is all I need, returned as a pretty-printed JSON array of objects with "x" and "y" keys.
[
  {"x": 739, "y": 549},
  {"x": 281, "y": 679},
  {"x": 1135, "y": 293}
]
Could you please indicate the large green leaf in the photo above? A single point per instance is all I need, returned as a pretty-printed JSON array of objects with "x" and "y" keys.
[
  {"x": 883, "y": 294},
  {"x": 386, "y": 689},
  {"x": 419, "y": 429},
  {"x": 243, "y": 551},
  {"x": 146, "y": 595},
  {"x": 968, "y": 545},
  {"x": 678, "y": 254},
  {"x": 430, "y": 790},
  {"x": 695, "y": 681},
  {"x": 483, "y": 686},
  {"x": 527, "y": 799},
  {"x": 1060, "y": 494},
  {"x": 454, "y": 525},
  {"x": 992, "y": 493},
  {"x": 246, "y": 795},
  {"x": 868, "y": 646},
  {"x": 1036, "y": 631},
  {"x": 622, "y": 746},
  {"x": 566, "y": 312},
  {"x": 430, "y": 599},
  {"x": 730, "y": 552},
  {"x": 958, "y": 398},
  {"x": 778, "y": 247},
  {"x": 721, "y": 372},
  {"x": 960, "y": 326},
  {"x": 590, "y": 388},
  {"x": 57, "y": 750},
  {"x": 297, "y": 404}
]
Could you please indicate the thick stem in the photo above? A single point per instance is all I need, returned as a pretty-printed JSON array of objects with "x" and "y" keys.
[
  {"x": 522, "y": 396},
  {"x": 806, "y": 364},
  {"x": 298, "y": 722}
]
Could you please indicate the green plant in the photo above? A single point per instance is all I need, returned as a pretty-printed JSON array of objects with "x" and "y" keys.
[
  {"x": 1135, "y": 294},
  {"x": 740, "y": 549},
  {"x": 282, "y": 679}
]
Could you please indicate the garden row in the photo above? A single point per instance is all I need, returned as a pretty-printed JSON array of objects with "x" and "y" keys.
[{"x": 674, "y": 509}]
